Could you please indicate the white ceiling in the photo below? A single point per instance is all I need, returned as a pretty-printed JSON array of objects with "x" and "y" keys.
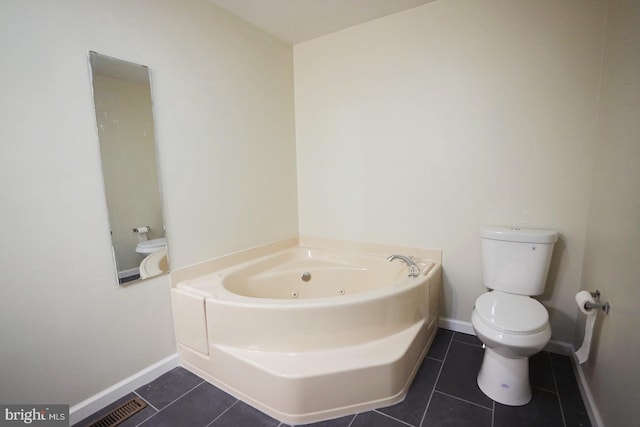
[{"x": 295, "y": 21}]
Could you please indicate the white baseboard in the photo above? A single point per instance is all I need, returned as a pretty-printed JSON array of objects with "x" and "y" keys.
[
  {"x": 456, "y": 325},
  {"x": 585, "y": 391},
  {"x": 553, "y": 346},
  {"x": 128, "y": 273},
  {"x": 559, "y": 347},
  {"x": 105, "y": 397}
]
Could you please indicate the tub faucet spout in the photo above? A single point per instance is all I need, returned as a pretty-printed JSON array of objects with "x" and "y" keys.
[{"x": 414, "y": 270}]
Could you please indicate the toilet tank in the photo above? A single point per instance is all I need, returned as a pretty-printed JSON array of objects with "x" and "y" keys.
[{"x": 516, "y": 260}]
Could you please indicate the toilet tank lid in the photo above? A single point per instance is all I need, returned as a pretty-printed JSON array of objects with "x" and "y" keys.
[{"x": 521, "y": 235}]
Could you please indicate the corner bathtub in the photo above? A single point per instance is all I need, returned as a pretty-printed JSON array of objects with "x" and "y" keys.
[{"x": 309, "y": 334}]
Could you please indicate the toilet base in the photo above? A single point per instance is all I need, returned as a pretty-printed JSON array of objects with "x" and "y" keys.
[{"x": 504, "y": 379}]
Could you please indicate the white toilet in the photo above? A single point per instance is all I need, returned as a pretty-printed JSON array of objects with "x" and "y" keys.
[
  {"x": 155, "y": 260},
  {"x": 147, "y": 247},
  {"x": 511, "y": 324}
]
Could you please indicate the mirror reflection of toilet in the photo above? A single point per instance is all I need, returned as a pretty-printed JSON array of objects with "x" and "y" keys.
[
  {"x": 155, "y": 261},
  {"x": 511, "y": 324},
  {"x": 150, "y": 246}
]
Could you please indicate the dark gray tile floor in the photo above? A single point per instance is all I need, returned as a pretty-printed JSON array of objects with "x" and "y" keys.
[{"x": 444, "y": 393}]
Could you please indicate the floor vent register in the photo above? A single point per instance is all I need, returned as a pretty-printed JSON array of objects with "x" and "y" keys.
[{"x": 120, "y": 414}]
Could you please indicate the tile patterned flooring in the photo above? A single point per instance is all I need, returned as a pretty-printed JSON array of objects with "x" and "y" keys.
[{"x": 444, "y": 393}]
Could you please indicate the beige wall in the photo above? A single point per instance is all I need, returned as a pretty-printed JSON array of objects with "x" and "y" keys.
[
  {"x": 416, "y": 128},
  {"x": 223, "y": 105},
  {"x": 612, "y": 255}
]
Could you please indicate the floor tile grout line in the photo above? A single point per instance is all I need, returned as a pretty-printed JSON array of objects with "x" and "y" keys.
[
  {"x": 544, "y": 389},
  {"x": 174, "y": 401},
  {"x": 224, "y": 412},
  {"x": 147, "y": 419},
  {"x": 493, "y": 413},
  {"x": 465, "y": 342},
  {"x": 555, "y": 384},
  {"x": 148, "y": 403},
  {"x": 426, "y": 408},
  {"x": 184, "y": 394},
  {"x": 353, "y": 420},
  {"x": 468, "y": 343},
  {"x": 465, "y": 400},
  {"x": 393, "y": 418}
]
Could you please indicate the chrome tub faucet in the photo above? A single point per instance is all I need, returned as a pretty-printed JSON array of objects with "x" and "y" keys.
[{"x": 414, "y": 270}]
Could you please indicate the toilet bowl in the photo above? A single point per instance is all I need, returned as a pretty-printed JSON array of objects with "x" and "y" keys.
[
  {"x": 512, "y": 327},
  {"x": 154, "y": 264},
  {"x": 511, "y": 324}
]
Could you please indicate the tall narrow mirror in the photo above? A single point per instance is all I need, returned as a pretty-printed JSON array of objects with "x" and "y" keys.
[{"x": 124, "y": 117}]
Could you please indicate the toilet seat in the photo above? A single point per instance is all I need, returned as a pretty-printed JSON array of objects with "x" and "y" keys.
[
  {"x": 513, "y": 314},
  {"x": 150, "y": 246}
]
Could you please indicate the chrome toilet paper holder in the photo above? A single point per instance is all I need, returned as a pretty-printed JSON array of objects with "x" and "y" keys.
[{"x": 597, "y": 305}]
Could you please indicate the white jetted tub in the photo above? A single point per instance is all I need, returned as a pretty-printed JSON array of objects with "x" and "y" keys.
[{"x": 307, "y": 334}]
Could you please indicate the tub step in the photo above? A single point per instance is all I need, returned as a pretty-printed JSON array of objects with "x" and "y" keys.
[
  {"x": 318, "y": 385},
  {"x": 315, "y": 363}
]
